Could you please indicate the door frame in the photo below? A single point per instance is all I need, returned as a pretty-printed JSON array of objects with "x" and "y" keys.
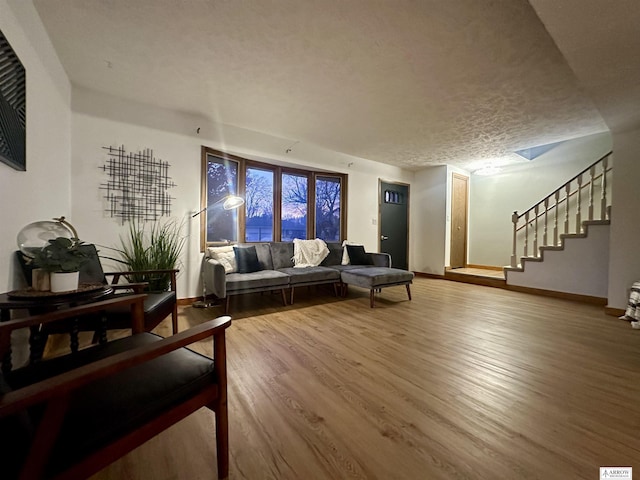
[
  {"x": 380, "y": 195},
  {"x": 466, "y": 217}
]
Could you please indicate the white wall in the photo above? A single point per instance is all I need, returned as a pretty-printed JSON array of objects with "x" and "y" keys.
[
  {"x": 581, "y": 268},
  {"x": 624, "y": 264},
  {"x": 429, "y": 220},
  {"x": 43, "y": 191},
  {"x": 100, "y": 120},
  {"x": 518, "y": 187}
]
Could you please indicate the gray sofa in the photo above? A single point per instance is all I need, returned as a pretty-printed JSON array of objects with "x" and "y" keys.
[{"x": 278, "y": 273}]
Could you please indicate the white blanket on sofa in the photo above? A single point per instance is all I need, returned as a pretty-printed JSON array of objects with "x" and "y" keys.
[{"x": 309, "y": 253}]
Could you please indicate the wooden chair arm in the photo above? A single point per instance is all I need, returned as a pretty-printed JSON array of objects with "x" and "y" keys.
[
  {"x": 61, "y": 385},
  {"x": 137, "y": 287},
  {"x": 171, "y": 271},
  {"x": 132, "y": 272}
]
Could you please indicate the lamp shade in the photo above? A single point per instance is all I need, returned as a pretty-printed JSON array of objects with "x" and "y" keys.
[{"x": 232, "y": 201}]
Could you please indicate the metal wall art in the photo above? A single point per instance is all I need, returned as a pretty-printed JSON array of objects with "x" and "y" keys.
[
  {"x": 137, "y": 185},
  {"x": 13, "y": 108}
]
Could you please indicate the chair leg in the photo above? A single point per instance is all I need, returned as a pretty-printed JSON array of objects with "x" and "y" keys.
[
  {"x": 335, "y": 289},
  {"x": 372, "y": 297},
  {"x": 409, "y": 291},
  {"x": 73, "y": 334},
  {"x": 222, "y": 440},
  {"x": 284, "y": 297},
  {"x": 174, "y": 318},
  {"x": 226, "y": 305}
]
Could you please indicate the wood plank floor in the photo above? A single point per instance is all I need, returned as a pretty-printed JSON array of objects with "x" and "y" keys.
[{"x": 464, "y": 382}]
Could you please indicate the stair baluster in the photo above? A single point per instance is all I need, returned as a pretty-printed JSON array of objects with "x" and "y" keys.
[
  {"x": 555, "y": 219},
  {"x": 603, "y": 190},
  {"x": 567, "y": 189},
  {"x": 526, "y": 232},
  {"x": 592, "y": 174},
  {"x": 536, "y": 252},
  {"x": 544, "y": 233},
  {"x": 578, "y": 201}
]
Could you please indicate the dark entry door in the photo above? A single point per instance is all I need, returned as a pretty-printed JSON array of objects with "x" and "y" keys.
[{"x": 394, "y": 222}]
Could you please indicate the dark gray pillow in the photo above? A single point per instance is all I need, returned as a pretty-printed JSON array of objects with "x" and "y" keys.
[
  {"x": 357, "y": 255},
  {"x": 247, "y": 259}
]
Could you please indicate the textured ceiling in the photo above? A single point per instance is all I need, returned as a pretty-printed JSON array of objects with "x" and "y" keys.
[{"x": 409, "y": 83}]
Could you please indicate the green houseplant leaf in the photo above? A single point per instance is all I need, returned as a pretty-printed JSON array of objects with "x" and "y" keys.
[
  {"x": 157, "y": 247},
  {"x": 61, "y": 255}
]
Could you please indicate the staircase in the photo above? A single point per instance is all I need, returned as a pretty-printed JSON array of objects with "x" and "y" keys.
[{"x": 579, "y": 209}]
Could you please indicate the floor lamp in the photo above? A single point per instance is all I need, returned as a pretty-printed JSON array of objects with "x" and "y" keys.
[{"x": 230, "y": 202}]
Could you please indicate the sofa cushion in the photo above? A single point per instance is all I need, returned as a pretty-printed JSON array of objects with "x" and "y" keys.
[
  {"x": 247, "y": 259},
  {"x": 264, "y": 279},
  {"x": 335, "y": 255},
  {"x": 376, "y": 277},
  {"x": 311, "y": 275},
  {"x": 282, "y": 255},
  {"x": 357, "y": 255},
  {"x": 344, "y": 268},
  {"x": 226, "y": 256},
  {"x": 263, "y": 250},
  {"x": 345, "y": 253}
]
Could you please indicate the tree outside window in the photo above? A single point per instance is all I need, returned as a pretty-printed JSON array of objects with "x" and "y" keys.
[
  {"x": 294, "y": 207},
  {"x": 259, "y": 205},
  {"x": 222, "y": 180},
  {"x": 328, "y": 208}
]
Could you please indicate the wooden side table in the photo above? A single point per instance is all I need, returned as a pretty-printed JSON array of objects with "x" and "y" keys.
[{"x": 38, "y": 303}]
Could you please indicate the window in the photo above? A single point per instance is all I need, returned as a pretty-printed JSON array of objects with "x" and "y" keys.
[
  {"x": 295, "y": 189},
  {"x": 328, "y": 206},
  {"x": 279, "y": 201},
  {"x": 259, "y": 205},
  {"x": 221, "y": 181}
]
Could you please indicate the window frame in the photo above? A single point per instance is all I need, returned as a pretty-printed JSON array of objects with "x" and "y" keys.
[{"x": 278, "y": 170}]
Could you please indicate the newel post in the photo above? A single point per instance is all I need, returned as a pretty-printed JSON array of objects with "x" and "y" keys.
[{"x": 514, "y": 258}]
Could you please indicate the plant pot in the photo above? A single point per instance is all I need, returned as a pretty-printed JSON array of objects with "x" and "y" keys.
[
  {"x": 40, "y": 280},
  {"x": 64, "y": 281}
]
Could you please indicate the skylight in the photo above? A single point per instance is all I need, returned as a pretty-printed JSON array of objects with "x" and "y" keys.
[{"x": 532, "y": 153}]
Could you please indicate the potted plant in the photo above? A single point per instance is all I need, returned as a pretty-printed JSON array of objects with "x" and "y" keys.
[
  {"x": 62, "y": 258},
  {"x": 156, "y": 248}
]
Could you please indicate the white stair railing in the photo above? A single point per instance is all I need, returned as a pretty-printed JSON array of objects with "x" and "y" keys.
[{"x": 595, "y": 178}]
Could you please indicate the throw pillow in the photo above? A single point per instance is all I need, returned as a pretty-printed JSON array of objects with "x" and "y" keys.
[
  {"x": 357, "y": 255},
  {"x": 225, "y": 256},
  {"x": 345, "y": 253},
  {"x": 247, "y": 259}
]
